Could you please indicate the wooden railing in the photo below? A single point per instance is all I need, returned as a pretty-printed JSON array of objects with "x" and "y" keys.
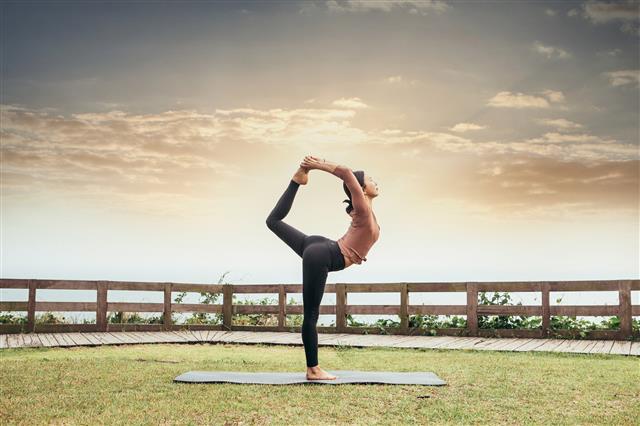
[{"x": 624, "y": 309}]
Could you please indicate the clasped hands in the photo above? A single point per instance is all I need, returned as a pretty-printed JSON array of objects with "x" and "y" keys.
[{"x": 310, "y": 162}]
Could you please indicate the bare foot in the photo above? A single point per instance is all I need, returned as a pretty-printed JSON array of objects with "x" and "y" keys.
[
  {"x": 301, "y": 176},
  {"x": 317, "y": 373}
]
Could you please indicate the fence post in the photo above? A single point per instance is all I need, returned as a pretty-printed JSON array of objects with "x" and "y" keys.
[
  {"x": 404, "y": 311},
  {"x": 31, "y": 307},
  {"x": 341, "y": 308},
  {"x": 227, "y": 306},
  {"x": 624, "y": 308},
  {"x": 472, "y": 308},
  {"x": 166, "y": 317},
  {"x": 546, "y": 309},
  {"x": 101, "y": 306},
  {"x": 282, "y": 303}
]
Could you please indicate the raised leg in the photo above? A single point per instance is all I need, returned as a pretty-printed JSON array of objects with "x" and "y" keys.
[{"x": 287, "y": 233}]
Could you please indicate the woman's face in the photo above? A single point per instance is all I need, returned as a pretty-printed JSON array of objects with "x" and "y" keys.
[{"x": 370, "y": 186}]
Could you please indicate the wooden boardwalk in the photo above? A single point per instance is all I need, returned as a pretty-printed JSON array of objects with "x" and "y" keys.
[{"x": 285, "y": 338}]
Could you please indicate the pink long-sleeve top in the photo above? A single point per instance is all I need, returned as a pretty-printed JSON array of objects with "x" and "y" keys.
[{"x": 364, "y": 230}]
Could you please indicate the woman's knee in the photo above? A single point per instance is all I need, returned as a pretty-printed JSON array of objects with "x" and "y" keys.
[
  {"x": 311, "y": 316},
  {"x": 271, "y": 222}
]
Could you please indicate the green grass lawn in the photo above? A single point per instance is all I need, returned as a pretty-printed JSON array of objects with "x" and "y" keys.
[{"x": 134, "y": 385}]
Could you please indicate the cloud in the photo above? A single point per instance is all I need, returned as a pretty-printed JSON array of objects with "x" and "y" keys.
[
  {"x": 465, "y": 127},
  {"x": 560, "y": 123},
  {"x": 575, "y": 147},
  {"x": 418, "y": 7},
  {"x": 555, "y": 137},
  {"x": 136, "y": 157},
  {"x": 623, "y": 77},
  {"x": 601, "y": 12},
  {"x": 630, "y": 28},
  {"x": 355, "y": 103},
  {"x": 398, "y": 80},
  {"x": 542, "y": 186},
  {"x": 560, "y": 147},
  {"x": 129, "y": 157},
  {"x": 627, "y": 13},
  {"x": 554, "y": 96},
  {"x": 171, "y": 158},
  {"x": 611, "y": 52},
  {"x": 520, "y": 100},
  {"x": 187, "y": 137},
  {"x": 550, "y": 52},
  {"x": 550, "y": 12}
]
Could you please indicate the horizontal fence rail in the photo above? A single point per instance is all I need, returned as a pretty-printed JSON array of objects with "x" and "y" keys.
[{"x": 624, "y": 310}]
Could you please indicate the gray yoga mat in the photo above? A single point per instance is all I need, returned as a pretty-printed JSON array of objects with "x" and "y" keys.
[{"x": 344, "y": 376}]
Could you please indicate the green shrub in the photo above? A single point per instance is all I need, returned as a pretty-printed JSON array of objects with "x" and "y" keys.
[{"x": 11, "y": 318}]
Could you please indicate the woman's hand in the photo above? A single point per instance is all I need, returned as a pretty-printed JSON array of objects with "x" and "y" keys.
[{"x": 310, "y": 162}]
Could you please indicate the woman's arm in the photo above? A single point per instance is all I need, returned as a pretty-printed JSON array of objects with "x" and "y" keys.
[{"x": 344, "y": 173}]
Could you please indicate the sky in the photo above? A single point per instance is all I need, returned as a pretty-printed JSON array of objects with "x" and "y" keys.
[{"x": 148, "y": 141}]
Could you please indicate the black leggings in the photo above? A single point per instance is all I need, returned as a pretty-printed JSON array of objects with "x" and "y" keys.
[{"x": 319, "y": 255}]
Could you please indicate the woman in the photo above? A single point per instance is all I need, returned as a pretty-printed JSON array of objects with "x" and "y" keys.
[{"x": 322, "y": 255}]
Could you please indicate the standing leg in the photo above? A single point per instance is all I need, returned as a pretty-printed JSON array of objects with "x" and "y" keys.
[
  {"x": 315, "y": 268},
  {"x": 287, "y": 233}
]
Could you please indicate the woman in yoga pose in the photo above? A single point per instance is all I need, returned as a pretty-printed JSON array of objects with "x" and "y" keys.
[{"x": 321, "y": 255}]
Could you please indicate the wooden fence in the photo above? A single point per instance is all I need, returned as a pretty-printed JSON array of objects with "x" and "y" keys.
[{"x": 624, "y": 309}]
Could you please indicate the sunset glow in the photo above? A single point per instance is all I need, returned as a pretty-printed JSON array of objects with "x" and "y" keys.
[{"x": 149, "y": 141}]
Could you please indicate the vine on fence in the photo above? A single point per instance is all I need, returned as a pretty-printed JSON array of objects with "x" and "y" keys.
[{"x": 504, "y": 321}]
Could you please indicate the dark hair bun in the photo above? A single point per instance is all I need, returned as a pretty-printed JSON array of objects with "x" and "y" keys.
[
  {"x": 359, "y": 174},
  {"x": 349, "y": 207}
]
